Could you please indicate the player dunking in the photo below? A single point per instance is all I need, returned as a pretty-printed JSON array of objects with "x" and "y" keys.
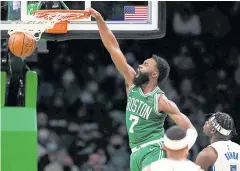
[
  {"x": 147, "y": 105},
  {"x": 222, "y": 154}
]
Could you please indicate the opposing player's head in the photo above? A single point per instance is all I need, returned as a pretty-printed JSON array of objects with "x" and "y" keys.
[
  {"x": 152, "y": 69},
  {"x": 176, "y": 143},
  {"x": 220, "y": 125}
]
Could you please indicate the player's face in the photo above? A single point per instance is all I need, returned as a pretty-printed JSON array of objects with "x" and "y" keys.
[
  {"x": 207, "y": 128},
  {"x": 145, "y": 72}
]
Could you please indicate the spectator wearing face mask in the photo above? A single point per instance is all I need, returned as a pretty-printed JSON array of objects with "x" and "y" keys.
[
  {"x": 85, "y": 143},
  {"x": 118, "y": 155},
  {"x": 185, "y": 22},
  {"x": 94, "y": 163},
  {"x": 49, "y": 161}
]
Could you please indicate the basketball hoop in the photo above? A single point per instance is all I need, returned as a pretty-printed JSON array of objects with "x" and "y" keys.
[{"x": 49, "y": 21}]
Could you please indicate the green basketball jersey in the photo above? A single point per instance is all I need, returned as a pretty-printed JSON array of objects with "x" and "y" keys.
[{"x": 144, "y": 122}]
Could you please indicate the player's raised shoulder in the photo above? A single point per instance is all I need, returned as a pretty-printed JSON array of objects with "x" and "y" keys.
[{"x": 208, "y": 152}]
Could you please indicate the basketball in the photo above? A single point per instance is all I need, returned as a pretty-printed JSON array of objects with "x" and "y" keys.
[{"x": 22, "y": 44}]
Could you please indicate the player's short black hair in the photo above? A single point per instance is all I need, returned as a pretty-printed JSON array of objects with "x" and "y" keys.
[
  {"x": 163, "y": 68},
  {"x": 175, "y": 133},
  {"x": 225, "y": 121}
]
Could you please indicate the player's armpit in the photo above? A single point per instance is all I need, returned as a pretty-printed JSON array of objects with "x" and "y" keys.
[
  {"x": 174, "y": 113},
  {"x": 206, "y": 158}
]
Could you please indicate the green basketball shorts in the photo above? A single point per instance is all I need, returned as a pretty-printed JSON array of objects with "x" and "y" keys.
[{"x": 145, "y": 156}]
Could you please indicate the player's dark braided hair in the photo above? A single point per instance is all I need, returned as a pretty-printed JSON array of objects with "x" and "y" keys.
[
  {"x": 163, "y": 68},
  {"x": 226, "y": 121}
]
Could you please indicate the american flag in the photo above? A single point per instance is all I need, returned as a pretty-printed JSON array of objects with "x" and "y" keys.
[{"x": 135, "y": 13}]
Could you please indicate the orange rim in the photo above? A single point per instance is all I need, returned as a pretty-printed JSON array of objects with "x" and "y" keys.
[{"x": 67, "y": 14}]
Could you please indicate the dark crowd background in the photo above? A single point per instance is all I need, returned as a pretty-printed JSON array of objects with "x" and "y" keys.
[{"x": 81, "y": 96}]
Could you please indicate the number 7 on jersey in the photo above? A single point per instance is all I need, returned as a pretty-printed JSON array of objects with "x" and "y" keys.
[{"x": 135, "y": 121}]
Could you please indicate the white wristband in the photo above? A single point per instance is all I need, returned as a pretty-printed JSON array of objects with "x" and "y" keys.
[{"x": 192, "y": 137}]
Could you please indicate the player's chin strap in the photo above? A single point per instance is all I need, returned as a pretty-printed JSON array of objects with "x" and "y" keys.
[
  {"x": 187, "y": 141},
  {"x": 218, "y": 127}
]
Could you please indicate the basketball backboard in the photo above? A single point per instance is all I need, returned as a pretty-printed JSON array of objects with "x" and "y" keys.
[{"x": 122, "y": 17}]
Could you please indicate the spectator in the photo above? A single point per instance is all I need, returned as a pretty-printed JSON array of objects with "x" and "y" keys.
[
  {"x": 185, "y": 22},
  {"x": 94, "y": 163}
]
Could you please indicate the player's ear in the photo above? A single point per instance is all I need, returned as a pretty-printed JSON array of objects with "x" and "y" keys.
[
  {"x": 213, "y": 131},
  {"x": 155, "y": 74}
]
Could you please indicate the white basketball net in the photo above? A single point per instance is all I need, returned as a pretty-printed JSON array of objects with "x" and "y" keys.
[{"x": 39, "y": 23}]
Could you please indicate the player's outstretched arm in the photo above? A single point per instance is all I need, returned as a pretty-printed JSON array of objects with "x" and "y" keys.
[
  {"x": 206, "y": 158},
  {"x": 111, "y": 44},
  {"x": 168, "y": 106}
]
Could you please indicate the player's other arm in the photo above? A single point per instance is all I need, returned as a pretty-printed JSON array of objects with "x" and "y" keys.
[
  {"x": 168, "y": 106},
  {"x": 111, "y": 44},
  {"x": 174, "y": 113},
  {"x": 206, "y": 158}
]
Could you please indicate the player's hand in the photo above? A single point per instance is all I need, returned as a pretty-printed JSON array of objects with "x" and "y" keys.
[{"x": 92, "y": 12}]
